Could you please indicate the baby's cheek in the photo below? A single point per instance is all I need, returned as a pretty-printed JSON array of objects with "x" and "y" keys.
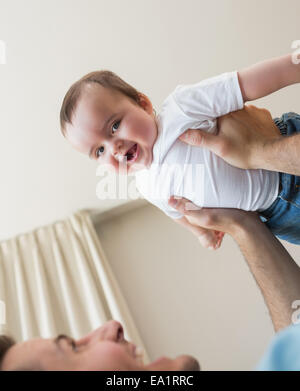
[{"x": 142, "y": 129}]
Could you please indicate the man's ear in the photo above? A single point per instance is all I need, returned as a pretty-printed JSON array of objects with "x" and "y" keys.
[{"x": 145, "y": 103}]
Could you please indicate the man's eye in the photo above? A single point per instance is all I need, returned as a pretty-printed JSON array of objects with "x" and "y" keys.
[
  {"x": 99, "y": 151},
  {"x": 73, "y": 345},
  {"x": 115, "y": 126}
]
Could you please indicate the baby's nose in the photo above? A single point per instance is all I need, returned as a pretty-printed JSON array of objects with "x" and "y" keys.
[
  {"x": 116, "y": 147},
  {"x": 118, "y": 150}
]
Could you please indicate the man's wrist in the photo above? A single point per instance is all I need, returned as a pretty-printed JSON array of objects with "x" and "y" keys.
[
  {"x": 263, "y": 156},
  {"x": 256, "y": 159},
  {"x": 245, "y": 225}
]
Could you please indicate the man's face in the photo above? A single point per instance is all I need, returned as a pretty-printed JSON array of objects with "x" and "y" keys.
[
  {"x": 102, "y": 350},
  {"x": 111, "y": 128}
]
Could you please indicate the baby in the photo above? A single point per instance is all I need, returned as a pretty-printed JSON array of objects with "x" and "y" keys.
[{"x": 107, "y": 119}]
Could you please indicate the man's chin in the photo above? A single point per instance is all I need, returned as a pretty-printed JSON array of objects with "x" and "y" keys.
[
  {"x": 180, "y": 363},
  {"x": 187, "y": 363}
]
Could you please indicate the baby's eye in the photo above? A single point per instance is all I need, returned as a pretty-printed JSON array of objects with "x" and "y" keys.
[
  {"x": 115, "y": 126},
  {"x": 99, "y": 151}
]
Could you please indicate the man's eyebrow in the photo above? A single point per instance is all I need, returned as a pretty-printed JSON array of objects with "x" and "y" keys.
[{"x": 102, "y": 130}]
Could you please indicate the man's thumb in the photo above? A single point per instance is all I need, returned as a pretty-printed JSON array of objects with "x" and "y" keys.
[
  {"x": 197, "y": 138},
  {"x": 183, "y": 205}
]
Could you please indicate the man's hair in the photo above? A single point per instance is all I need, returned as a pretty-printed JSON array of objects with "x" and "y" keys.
[
  {"x": 106, "y": 79},
  {"x": 5, "y": 344}
]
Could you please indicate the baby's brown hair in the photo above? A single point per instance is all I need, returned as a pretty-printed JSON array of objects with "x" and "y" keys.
[{"x": 106, "y": 79}]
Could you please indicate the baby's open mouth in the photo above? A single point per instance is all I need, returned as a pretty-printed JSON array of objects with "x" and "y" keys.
[{"x": 131, "y": 154}]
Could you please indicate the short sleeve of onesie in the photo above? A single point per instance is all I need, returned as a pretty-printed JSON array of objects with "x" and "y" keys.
[{"x": 210, "y": 98}]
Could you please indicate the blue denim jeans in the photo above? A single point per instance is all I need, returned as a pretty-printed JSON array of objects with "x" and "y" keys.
[{"x": 283, "y": 216}]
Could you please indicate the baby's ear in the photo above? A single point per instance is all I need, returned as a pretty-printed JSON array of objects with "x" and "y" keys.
[{"x": 145, "y": 103}]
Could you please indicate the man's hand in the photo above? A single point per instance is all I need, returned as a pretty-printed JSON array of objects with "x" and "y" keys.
[
  {"x": 275, "y": 272},
  {"x": 242, "y": 136},
  {"x": 208, "y": 238},
  {"x": 218, "y": 220}
]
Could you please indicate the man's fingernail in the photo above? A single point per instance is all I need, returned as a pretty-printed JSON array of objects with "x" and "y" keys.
[{"x": 173, "y": 202}]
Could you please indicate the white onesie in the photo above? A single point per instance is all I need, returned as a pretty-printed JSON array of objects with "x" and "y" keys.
[{"x": 194, "y": 172}]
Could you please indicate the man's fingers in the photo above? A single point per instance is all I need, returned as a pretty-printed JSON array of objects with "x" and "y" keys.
[
  {"x": 220, "y": 236},
  {"x": 253, "y": 111},
  {"x": 256, "y": 119}
]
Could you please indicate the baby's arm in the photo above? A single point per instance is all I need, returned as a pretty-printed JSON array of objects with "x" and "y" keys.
[
  {"x": 208, "y": 238},
  {"x": 268, "y": 76}
]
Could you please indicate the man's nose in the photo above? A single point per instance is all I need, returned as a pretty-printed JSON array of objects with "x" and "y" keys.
[
  {"x": 111, "y": 330},
  {"x": 115, "y": 331}
]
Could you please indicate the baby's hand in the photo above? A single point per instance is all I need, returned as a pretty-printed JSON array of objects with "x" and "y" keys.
[{"x": 211, "y": 239}]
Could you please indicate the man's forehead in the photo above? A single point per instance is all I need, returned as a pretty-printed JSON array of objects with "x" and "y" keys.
[
  {"x": 29, "y": 351},
  {"x": 36, "y": 344}
]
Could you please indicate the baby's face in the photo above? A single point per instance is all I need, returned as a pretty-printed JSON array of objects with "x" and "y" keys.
[{"x": 112, "y": 129}]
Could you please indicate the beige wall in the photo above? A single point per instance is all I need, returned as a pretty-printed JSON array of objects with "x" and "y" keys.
[{"x": 184, "y": 298}]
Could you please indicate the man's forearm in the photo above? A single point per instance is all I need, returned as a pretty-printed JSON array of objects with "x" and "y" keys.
[
  {"x": 276, "y": 273},
  {"x": 281, "y": 154}
]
